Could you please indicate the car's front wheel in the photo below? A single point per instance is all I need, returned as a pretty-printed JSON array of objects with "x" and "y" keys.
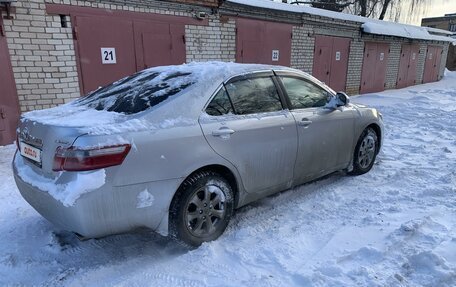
[
  {"x": 365, "y": 152},
  {"x": 201, "y": 208}
]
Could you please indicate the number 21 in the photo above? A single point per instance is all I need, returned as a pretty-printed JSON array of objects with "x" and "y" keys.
[{"x": 108, "y": 56}]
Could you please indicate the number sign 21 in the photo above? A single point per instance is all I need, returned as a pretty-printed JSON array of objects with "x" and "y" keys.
[{"x": 108, "y": 55}]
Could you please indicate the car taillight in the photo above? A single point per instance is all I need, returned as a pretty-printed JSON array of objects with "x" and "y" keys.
[
  {"x": 17, "y": 143},
  {"x": 78, "y": 159}
]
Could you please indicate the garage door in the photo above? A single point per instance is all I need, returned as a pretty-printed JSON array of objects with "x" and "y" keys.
[
  {"x": 432, "y": 64},
  {"x": 407, "y": 66},
  {"x": 375, "y": 61},
  {"x": 159, "y": 44},
  {"x": 263, "y": 42},
  {"x": 106, "y": 50},
  {"x": 9, "y": 105},
  {"x": 331, "y": 61},
  {"x": 110, "y": 48}
]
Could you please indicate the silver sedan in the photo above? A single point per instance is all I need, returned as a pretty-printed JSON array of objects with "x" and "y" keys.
[{"x": 178, "y": 148}]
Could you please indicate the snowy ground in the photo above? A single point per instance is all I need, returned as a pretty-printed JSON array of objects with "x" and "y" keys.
[{"x": 395, "y": 226}]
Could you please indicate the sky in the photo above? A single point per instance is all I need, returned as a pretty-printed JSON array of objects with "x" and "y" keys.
[{"x": 440, "y": 8}]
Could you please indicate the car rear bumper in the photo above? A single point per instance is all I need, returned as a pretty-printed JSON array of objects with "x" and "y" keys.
[{"x": 106, "y": 210}]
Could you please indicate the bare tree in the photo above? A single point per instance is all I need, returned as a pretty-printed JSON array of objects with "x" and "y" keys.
[
  {"x": 333, "y": 5},
  {"x": 380, "y": 9}
]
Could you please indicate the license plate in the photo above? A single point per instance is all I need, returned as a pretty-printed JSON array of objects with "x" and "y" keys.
[{"x": 30, "y": 152}]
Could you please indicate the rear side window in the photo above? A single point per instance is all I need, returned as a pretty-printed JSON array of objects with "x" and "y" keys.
[
  {"x": 256, "y": 95},
  {"x": 220, "y": 104},
  {"x": 138, "y": 92},
  {"x": 304, "y": 94}
]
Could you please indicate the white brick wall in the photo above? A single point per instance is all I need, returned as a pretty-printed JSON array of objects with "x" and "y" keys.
[
  {"x": 394, "y": 59},
  {"x": 216, "y": 42},
  {"x": 421, "y": 62},
  {"x": 355, "y": 65},
  {"x": 42, "y": 57},
  {"x": 302, "y": 48}
]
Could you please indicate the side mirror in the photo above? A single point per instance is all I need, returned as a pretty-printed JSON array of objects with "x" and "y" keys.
[{"x": 342, "y": 99}]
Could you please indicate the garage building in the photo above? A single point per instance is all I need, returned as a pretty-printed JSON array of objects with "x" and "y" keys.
[{"x": 53, "y": 51}]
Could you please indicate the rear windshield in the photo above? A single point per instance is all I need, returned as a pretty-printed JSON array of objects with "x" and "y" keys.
[{"x": 138, "y": 92}]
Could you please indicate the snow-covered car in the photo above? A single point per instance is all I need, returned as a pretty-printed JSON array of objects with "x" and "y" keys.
[{"x": 178, "y": 148}]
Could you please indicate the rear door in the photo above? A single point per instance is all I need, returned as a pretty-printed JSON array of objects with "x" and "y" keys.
[
  {"x": 325, "y": 136},
  {"x": 248, "y": 126}
]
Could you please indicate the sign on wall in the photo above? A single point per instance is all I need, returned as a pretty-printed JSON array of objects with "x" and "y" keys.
[
  {"x": 275, "y": 55},
  {"x": 382, "y": 56},
  {"x": 108, "y": 55},
  {"x": 337, "y": 56}
]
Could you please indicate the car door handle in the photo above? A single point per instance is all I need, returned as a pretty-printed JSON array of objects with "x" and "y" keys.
[
  {"x": 222, "y": 132},
  {"x": 304, "y": 122}
]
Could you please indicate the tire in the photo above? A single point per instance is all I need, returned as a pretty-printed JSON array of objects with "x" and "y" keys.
[
  {"x": 365, "y": 152},
  {"x": 201, "y": 209}
]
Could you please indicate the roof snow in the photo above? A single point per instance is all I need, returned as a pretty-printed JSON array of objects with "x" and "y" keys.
[{"x": 371, "y": 26}]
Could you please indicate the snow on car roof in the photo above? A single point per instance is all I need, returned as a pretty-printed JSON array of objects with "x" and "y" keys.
[
  {"x": 371, "y": 26},
  {"x": 188, "y": 85}
]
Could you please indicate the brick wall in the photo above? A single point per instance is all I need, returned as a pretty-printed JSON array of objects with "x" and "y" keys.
[
  {"x": 302, "y": 48},
  {"x": 42, "y": 57},
  {"x": 394, "y": 59},
  {"x": 214, "y": 42},
  {"x": 211, "y": 3},
  {"x": 355, "y": 65},
  {"x": 421, "y": 62}
]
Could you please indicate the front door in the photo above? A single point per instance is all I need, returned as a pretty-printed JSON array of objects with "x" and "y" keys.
[
  {"x": 325, "y": 136},
  {"x": 249, "y": 127}
]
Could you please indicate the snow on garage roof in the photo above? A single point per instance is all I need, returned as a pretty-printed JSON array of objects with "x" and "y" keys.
[
  {"x": 437, "y": 31},
  {"x": 371, "y": 26}
]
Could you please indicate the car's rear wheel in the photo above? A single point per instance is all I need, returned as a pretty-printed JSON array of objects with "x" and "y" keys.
[
  {"x": 201, "y": 208},
  {"x": 365, "y": 152}
]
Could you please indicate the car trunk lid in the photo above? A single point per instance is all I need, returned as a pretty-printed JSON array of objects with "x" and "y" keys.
[{"x": 38, "y": 143}]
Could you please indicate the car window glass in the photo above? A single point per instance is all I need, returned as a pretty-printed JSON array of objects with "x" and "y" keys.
[
  {"x": 256, "y": 95},
  {"x": 220, "y": 104},
  {"x": 304, "y": 94},
  {"x": 138, "y": 92}
]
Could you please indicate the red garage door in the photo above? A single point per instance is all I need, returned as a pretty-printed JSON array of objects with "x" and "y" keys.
[
  {"x": 106, "y": 50},
  {"x": 9, "y": 105},
  {"x": 111, "y": 44},
  {"x": 432, "y": 64},
  {"x": 407, "y": 66},
  {"x": 110, "y": 48},
  {"x": 331, "y": 61},
  {"x": 263, "y": 42},
  {"x": 375, "y": 60},
  {"x": 159, "y": 44}
]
